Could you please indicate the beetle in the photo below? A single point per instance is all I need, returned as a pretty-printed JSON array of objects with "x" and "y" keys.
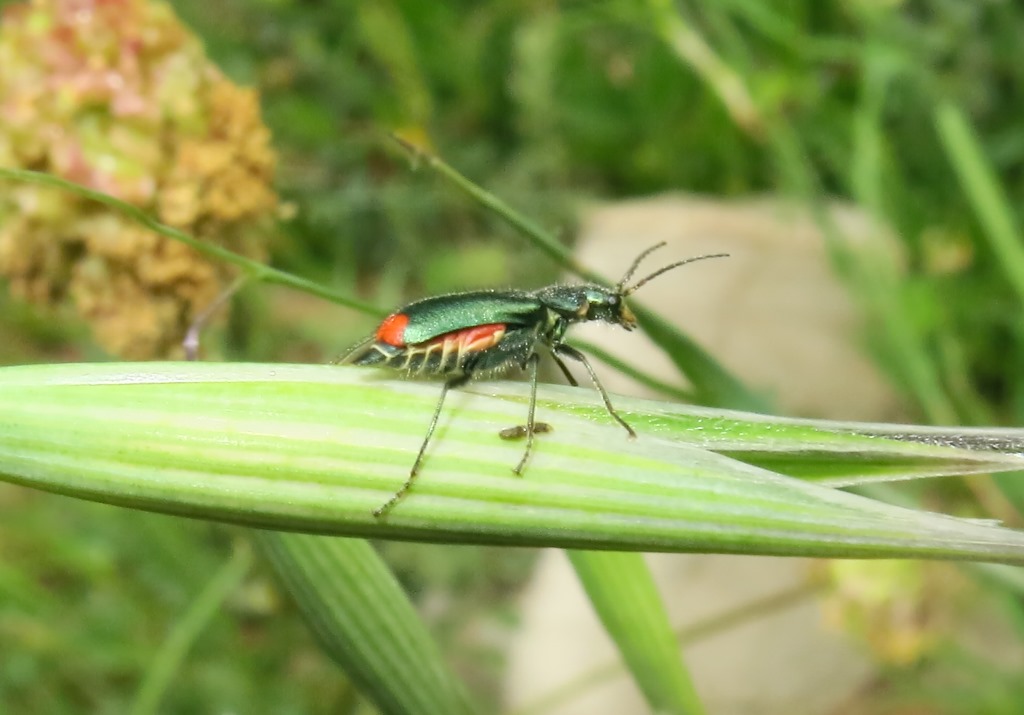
[{"x": 461, "y": 336}]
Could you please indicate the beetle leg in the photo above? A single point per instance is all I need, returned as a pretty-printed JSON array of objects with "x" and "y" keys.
[
  {"x": 531, "y": 427},
  {"x": 565, "y": 371},
  {"x": 571, "y": 352},
  {"x": 404, "y": 489}
]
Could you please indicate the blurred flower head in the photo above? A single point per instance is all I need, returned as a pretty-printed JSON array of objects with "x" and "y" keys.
[
  {"x": 119, "y": 96},
  {"x": 899, "y": 609}
]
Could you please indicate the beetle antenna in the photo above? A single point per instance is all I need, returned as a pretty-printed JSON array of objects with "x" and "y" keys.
[
  {"x": 632, "y": 289},
  {"x": 636, "y": 264}
]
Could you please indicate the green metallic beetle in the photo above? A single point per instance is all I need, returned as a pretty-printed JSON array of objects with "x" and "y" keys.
[{"x": 462, "y": 336}]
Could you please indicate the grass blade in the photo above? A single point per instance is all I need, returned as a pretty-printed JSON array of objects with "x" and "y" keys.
[
  {"x": 365, "y": 622},
  {"x": 626, "y": 599},
  {"x": 316, "y": 448}
]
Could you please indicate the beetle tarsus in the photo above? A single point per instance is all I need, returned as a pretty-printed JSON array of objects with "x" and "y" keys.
[{"x": 519, "y": 431}]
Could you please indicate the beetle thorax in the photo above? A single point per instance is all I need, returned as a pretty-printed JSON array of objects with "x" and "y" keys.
[{"x": 581, "y": 303}]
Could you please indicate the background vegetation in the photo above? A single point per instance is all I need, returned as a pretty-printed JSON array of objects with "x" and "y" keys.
[{"x": 910, "y": 109}]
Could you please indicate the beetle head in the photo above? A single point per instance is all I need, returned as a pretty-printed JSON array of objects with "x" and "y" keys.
[
  {"x": 597, "y": 302},
  {"x": 605, "y": 304}
]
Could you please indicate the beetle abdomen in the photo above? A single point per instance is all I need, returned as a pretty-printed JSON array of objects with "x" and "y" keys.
[{"x": 446, "y": 354}]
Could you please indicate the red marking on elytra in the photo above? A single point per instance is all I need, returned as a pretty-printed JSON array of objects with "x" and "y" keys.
[
  {"x": 392, "y": 330},
  {"x": 474, "y": 339}
]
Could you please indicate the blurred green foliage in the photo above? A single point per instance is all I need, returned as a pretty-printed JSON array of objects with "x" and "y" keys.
[
  {"x": 545, "y": 104},
  {"x": 88, "y": 593},
  {"x": 549, "y": 103}
]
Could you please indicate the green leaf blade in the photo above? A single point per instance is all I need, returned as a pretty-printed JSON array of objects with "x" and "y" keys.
[
  {"x": 623, "y": 593},
  {"x": 317, "y": 448},
  {"x": 361, "y": 616}
]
